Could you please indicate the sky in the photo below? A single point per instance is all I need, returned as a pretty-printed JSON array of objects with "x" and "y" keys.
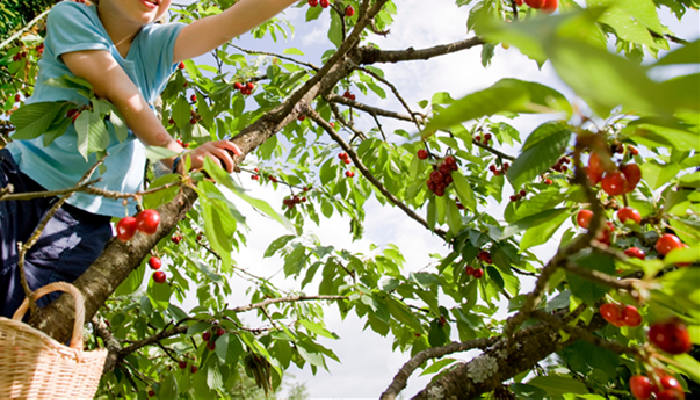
[{"x": 367, "y": 362}]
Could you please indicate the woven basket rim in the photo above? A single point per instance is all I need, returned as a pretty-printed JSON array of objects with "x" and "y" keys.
[{"x": 46, "y": 339}]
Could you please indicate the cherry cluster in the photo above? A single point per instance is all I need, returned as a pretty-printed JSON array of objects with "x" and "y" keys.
[
  {"x": 475, "y": 272},
  {"x": 613, "y": 182},
  {"x": 343, "y": 156},
  {"x": 349, "y": 95},
  {"x": 583, "y": 218},
  {"x": 498, "y": 171},
  {"x": 211, "y": 335},
  {"x": 619, "y": 315},
  {"x": 146, "y": 221},
  {"x": 485, "y": 257},
  {"x": 487, "y": 138},
  {"x": 665, "y": 387},
  {"x": 291, "y": 201},
  {"x": 194, "y": 117},
  {"x": 560, "y": 166},
  {"x": 244, "y": 88},
  {"x": 256, "y": 175},
  {"x": 516, "y": 197},
  {"x": 158, "y": 276},
  {"x": 322, "y": 3},
  {"x": 19, "y": 56},
  {"x": 441, "y": 177}
]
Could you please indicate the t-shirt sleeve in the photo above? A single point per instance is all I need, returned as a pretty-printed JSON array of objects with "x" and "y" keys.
[
  {"x": 69, "y": 28},
  {"x": 157, "y": 53}
]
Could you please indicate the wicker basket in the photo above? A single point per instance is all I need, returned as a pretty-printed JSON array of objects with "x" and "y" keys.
[{"x": 35, "y": 366}]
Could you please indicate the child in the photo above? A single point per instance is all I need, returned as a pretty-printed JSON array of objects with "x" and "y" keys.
[{"x": 118, "y": 49}]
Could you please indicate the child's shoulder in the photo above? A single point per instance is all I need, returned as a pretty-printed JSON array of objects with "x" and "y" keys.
[{"x": 70, "y": 8}]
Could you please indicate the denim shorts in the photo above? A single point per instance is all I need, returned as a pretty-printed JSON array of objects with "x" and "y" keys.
[{"x": 70, "y": 242}]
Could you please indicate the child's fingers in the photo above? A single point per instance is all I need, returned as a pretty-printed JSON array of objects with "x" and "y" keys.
[{"x": 223, "y": 157}]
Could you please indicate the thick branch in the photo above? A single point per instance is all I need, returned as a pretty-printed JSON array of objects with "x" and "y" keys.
[
  {"x": 368, "y": 55},
  {"x": 399, "y": 381}
]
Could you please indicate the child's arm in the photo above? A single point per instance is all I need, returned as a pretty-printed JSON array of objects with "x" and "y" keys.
[
  {"x": 111, "y": 82},
  {"x": 210, "y": 32}
]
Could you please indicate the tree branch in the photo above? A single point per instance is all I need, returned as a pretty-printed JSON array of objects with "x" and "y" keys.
[{"x": 368, "y": 55}]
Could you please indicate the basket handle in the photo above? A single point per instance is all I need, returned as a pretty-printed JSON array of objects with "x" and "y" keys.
[{"x": 76, "y": 341}]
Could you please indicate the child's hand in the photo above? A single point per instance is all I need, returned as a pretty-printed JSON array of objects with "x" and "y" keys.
[{"x": 219, "y": 151}]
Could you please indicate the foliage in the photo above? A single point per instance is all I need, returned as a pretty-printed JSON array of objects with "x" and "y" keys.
[{"x": 626, "y": 107}]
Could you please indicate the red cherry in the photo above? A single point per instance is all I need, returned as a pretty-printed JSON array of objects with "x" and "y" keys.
[
  {"x": 193, "y": 369},
  {"x": 671, "y": 337},
  {"x": 613, "y": 184},
  {"x": 626, "y": 213},
  {"x": 237, "y": 85},
  {"x": 211, "y": 345},
  {"x": 422, "y": 154},
  {"x": 313, "y": 3},
  {"x": 670, "y": 394},
  {"x": 18, "y": 98},
  {"x": 255, "y": 177},
  {"x": 181, "y": 65},
  {"x": 220, "y": 331},
  {"x": 346, "y": 161},
  {"x": 669, "y": 382},
  {"x": 324, "y": 3},
  {"x": 519, "y": 2},
  {"x": 159, "y": 277},
  {"x": 550, "y": 6},
  {"x": 632, "y": 176},
  {"x": 349, "y": 11},
  {"x": 535, "y": 3},
  {"x": 595, "y": 168},
  {"x": 126, "y": 227},
  {"x": 630, "y": 316},
  {"x": 547, "y": 181},
  {"x": 667, "y": 242},
  {"x": 176, "y": 239},
  {"x": 206, "y": 335},
  {"x": 641, "y": 387},
  {"x": 151, "y": 393},
  {"x": 343, "y": 155},
  {"x": 611, "y": 313},
  {"x": 154, "y": 262},
  {"x": 469, "y": 270},
  {"x": 250, "y": 86},
  {"x": 182, "y": 364},
  {"x": 193, "y": 98},
  {"x": 478, "y": 273},
  {"x": 635, "y": 252},
  {"x": 584, "y": 218},
  {"x": 487, "y": 137},
  {"x": 349, "y": 174},
  {"x": 148, "y": 220}
]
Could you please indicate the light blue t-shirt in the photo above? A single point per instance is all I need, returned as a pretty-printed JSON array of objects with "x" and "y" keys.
[{"x": 73, "y": 26}]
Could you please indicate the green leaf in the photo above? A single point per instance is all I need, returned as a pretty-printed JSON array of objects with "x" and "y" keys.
[
  {"x": 557, "y": 385},
  {"x": 277, "y": 244},
  {"x": 92, "y": 133},
  {"x": 506, "y": 95},
  {"x": 169, "y": 388},
  {"x": 328, "y": 172},
  {"x": 156, "y": 153},
  {"x": 313, "y": 327},
  {"x": 219, "y": 224},
  {"x": 688, "y": 54},
  {"x": 543, "y": 148},
  {"x": 31, "y": 120},
  {"x": 464, "y": 191},
  {"x": 542, "y": 232},
  {"x": 690, "y": 254},
  {"x": 606, "y": 81},
  {"x": 437, "y": 366},
  {"x": 585, "y": 289},
  {"x": 120, "y": 128},
  {"x": 688, "y": 365}
]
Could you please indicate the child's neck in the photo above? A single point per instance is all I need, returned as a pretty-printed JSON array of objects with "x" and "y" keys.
[{"x": 121, "y": 32}]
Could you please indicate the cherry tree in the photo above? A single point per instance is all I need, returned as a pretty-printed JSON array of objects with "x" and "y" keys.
[{"x": 613, "y": 313}]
